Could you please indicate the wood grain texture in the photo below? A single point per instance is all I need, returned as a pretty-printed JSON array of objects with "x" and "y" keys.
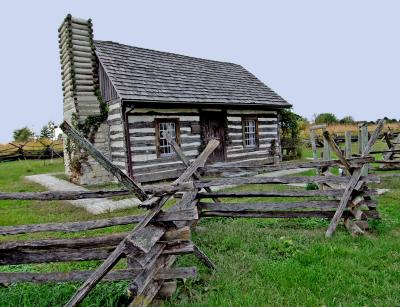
[
  {"x": 270, "y": 206},
  {"x": 281, "y": 180},
  {"x": 181, "y": 215},
  {"x": 305, "y": 193},
  {"x": 74, "y": 195}
]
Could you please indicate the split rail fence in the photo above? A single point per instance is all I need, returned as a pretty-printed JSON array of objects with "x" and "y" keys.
[
  {"x": 151, "y": 248},
  {"x": 390, "y": 157},
  {"x": 28, "y": 151}
]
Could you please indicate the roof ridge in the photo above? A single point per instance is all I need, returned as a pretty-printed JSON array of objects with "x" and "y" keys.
[{"x": 167, "y": 52}]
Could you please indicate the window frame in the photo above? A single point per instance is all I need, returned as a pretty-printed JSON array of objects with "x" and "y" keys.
[
  {"x": 257, "y": 143},
  {"x": 157, "y": 122}
]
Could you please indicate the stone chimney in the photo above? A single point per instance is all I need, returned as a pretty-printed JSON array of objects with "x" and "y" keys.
[{"x": 83, "y": 106}]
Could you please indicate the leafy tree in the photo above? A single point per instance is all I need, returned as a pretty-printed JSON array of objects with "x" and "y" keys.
[
  {"x": 47, "y": 131},
  {"x": 290, "y": 123},
  {"x": 347, "y": 120},
  {"x": 326, "y": 118},
  {"x": 23, "y": 135}
]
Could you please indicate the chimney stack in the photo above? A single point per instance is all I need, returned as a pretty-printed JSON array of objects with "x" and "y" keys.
[{"x": 83, "y": 107}]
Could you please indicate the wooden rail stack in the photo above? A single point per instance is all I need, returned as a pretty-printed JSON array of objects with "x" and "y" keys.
[{"x": 159, "y": 236}]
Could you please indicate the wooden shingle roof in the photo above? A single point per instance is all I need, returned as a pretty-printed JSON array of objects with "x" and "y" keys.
[{"x": 149, "y": 75}]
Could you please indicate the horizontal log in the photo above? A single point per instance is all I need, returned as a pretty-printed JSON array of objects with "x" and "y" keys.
[
  {"x": 179, "y": 249},
  {"x": 314, "y": 127},
  {"x": 81, "y": 21},
  {"x": 239, "y": 207},
  {"x": 217, "y": 168},
  {"x": 385, "y": 151},
  {"x": 93, "y": 242},
  {"x": 307, "y": 193},
  {"x": 114, "y": 275},
  {"x": 60, "y": 255},
  {"x": 388, "y": 161},
  {"x": 281, "y": 180},
  {"x": 27, "y": 256},
  {"x": 177, "y": 234},
  {"x": 73, "y": 195},
  {"x": 182, "y": 215},
  {"x": 372, "y": 214},
  {"x": 174, "y": 273}
]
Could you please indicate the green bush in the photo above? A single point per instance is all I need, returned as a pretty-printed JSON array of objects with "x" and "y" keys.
[
  {"x": 23, "y": 135},
  {"x": 347, "y": 120},
  {"x": 326, "y": 118}
]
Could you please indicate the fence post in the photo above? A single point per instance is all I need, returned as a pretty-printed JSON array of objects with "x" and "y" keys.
[
  {"x": 347, "y": 137},
  {"x": 364, "y": 142},
  {"x": 313, "y": 145},
  {"x": 359, "y": 139},
  {"x": 327, "y": 151}
]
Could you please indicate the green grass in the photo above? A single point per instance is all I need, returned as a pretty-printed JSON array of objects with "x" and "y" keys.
[{"x": 261, "y": 262}]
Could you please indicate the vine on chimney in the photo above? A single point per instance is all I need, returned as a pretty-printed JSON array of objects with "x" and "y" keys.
[{"x": 88, "y": 128}]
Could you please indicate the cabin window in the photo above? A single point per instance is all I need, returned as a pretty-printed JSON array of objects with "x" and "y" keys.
[
  {"x": 250, "y": 137},
  {"x": 164, "y": 149}
]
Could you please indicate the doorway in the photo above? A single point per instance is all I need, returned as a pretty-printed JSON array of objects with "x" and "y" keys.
[{"x": 213, "y": 127}]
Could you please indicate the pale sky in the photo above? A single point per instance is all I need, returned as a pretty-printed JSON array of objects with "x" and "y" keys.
[{"x": 321, "y": 56}]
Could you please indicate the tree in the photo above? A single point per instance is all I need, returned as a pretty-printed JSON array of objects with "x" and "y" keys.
[
  {"x": 326, "y": 118},
  {"x": 23, "y": 135},
  {"x": 289, "y": 123},
  {"x": 47, "y": 131},
  {"x": 347, "y": 120}
]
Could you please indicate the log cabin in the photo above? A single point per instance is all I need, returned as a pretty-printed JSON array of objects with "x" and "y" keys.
[{"x": 137, "y": 94}]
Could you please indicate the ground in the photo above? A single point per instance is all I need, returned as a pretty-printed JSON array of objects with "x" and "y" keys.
[{"x": 260, "y": 262}]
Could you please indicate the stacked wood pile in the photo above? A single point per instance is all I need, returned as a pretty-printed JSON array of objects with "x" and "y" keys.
[
  {"x": 29, "y": 151},
  {"x": 159, "y": 236}
]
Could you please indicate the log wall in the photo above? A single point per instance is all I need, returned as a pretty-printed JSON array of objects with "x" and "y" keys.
[
  {"x": 117, "y": 144},
  {"x": 267, "y": 132},
  {"x": 148, "y": 166}
]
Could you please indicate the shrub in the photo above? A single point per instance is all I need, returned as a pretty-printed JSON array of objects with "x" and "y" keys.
[
  {"x": 347, "y": 120},
  {"x": 326, "y": 118},
  {"x": 23, "y": 135},
  {"x": 299, "y": 152}
]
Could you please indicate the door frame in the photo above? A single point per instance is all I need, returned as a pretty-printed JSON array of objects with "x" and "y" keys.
[{"x": 222, "y": 116}]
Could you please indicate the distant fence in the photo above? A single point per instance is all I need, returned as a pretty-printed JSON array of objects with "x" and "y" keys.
[{"x": 36, "y": 150}]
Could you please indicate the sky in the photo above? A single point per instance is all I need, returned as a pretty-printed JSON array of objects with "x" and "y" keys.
[{"x": 321, "y": 56}]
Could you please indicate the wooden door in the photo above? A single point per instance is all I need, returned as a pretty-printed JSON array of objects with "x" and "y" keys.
[{"x": 213, "y": 127}]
